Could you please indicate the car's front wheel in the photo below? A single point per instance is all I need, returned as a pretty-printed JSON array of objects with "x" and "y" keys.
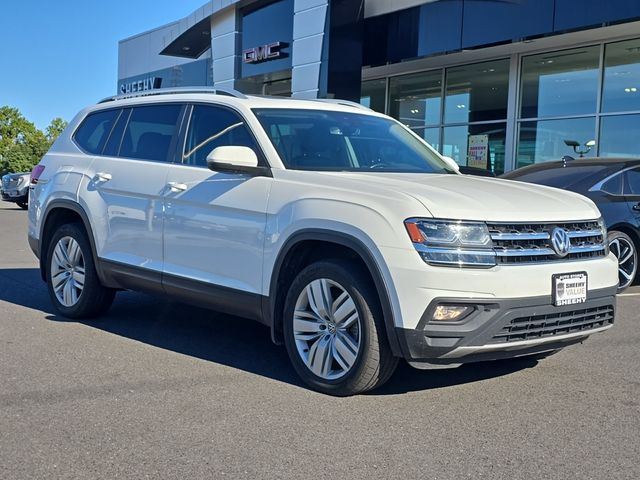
[
  {"x": 23, "y": 205},
  {"x": 72, "y": 280},
  {"x": 622, "y": 246},
  {"x": 334, "y": 330}
]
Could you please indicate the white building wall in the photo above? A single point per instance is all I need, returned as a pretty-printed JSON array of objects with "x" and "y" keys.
[{"x": 140, "y": 54}]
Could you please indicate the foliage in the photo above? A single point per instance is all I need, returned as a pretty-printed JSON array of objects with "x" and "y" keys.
[{"x": 22, "y": 144}]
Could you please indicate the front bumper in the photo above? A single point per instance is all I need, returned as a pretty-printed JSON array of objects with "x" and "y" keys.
[
  {"x": 507, "y": 328},
  {"x": 15, "y": 196}
]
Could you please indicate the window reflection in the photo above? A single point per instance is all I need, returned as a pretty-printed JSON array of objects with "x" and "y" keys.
[
  {"x": 431, "y": 135},
  {"x": 415, "y": 99},
  {"x": 560, "y": 83},
  {"x": 479, "y": 146},
  {"x": 373, "y": 94},
  {"x": 622, "y": 77},
  {"x": 616, "y": 139},
  {"x": 543, "y": 141},
  {"x": 477, "y": 92}
]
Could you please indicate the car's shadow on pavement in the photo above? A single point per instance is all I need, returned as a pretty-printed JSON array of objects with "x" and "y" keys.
[{"x": 223, "y": 339}]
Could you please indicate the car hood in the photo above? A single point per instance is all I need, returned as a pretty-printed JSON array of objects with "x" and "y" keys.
[{"x": 468, "y": 197}]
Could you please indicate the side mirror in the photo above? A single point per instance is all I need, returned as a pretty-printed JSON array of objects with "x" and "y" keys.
[
  {"x": 451, "y": 163},
  {"x": 233, "y": 159},
  {"x": 571, "y": 143}
]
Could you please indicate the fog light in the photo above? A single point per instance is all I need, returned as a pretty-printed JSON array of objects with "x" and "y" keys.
[{"x": 451, "y": 313}]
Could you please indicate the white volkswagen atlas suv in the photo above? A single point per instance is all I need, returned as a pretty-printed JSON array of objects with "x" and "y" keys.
[{"x": 345, "y": 233}]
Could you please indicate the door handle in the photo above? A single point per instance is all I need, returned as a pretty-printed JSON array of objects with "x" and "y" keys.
[
  {"x": 102, "y": 177},
  {"x": 177, "y": 187},
  {"x": 636, "y": 207}
]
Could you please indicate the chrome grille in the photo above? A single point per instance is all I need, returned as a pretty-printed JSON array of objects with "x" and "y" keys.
[
  {"x": 516, "y": 243},
  {"x": 539, "y": 326}
]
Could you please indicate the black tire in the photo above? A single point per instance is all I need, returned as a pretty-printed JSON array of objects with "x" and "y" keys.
[
  {"x": 621, "y": 244},
  {"x": 374, "y": 363},
  {"x": 94, "y": 299},
  {"x": 23, "y": 205}
]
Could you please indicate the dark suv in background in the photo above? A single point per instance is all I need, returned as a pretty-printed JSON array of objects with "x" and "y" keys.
[{"x": 614, "y": 186}]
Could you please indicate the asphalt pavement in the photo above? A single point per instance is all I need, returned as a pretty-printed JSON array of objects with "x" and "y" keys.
[{"x": 157, "y": 389}]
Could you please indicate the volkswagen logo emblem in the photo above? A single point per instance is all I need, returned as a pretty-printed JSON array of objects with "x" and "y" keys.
[{"x": 560, "y": 242}]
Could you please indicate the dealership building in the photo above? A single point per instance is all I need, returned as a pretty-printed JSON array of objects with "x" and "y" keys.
[{"x": 495, "y": 84}]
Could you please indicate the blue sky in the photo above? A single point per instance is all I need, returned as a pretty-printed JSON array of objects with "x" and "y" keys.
[{"x": 58, "y": 57}]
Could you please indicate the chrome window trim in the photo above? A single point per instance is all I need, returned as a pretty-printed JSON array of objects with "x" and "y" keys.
[{"x": 598, "y": 186}]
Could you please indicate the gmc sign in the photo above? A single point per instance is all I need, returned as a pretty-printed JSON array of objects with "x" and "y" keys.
[{"x": 263, "y": 53}]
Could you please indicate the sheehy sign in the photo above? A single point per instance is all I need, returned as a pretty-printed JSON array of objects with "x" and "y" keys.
[
  {"x": 148, "y": 83},
  {"x": 263, "y": 53}
]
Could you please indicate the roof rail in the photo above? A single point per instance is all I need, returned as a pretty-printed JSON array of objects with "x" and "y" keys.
[
  {"x": 338, "y": 101},
  {"x": 169, "y": 91}
]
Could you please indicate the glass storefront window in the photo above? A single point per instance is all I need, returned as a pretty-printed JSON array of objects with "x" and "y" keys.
[
  {"x": 560, "y": 83},
  {"x": 480, "y": 146},
  {"x": 616, "y": 137},
  {"x": 477, "y": 92},
  {"x": 621, "y": 91},
  {"x": 373, "y": 94},
  {"x": 558, "y": 100},
  {"x": 431, "y": 135},
  {"x": 543, "y": 141},
  {"x": 415, "y": 100}
]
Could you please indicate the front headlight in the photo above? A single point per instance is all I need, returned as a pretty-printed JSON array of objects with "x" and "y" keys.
[
  {"x": 452, "y": 243},
  {"x": 605, "y": 241}
]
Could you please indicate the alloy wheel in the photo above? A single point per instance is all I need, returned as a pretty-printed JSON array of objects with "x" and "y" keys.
[
  {"x": 327, "y": 329},
  {"x": 624, "y": 251},
  {"x": 67, "y": 271}
]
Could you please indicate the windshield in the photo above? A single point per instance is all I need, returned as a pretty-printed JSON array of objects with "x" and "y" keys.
[{"x": 339, "y": 141}]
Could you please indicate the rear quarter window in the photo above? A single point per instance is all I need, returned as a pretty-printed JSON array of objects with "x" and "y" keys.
[
  {"x": 613, "y": 186},
  {"x": 94, "y": 130}
]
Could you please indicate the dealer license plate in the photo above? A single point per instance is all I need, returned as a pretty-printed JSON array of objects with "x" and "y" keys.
[{"x": 569, "y": 288}]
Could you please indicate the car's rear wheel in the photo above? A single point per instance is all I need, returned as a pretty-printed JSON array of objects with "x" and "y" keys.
[
  {"x": 622, "y": 246},
  {"x": 334, "y": 330},
  {"x": 72, "y": 280}
]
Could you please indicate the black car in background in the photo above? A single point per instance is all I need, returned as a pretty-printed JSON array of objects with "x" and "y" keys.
[{"x": 614, "y": 185}]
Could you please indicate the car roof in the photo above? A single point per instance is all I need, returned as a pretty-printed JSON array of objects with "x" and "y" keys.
[
  {"x": 230, "y": 98},
  {"x": 578, "y": 162}
]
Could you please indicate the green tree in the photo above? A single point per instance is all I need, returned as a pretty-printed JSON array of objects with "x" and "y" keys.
[
  {"x": 55, "y": 128},
  {"x": 22, "y": 144}
]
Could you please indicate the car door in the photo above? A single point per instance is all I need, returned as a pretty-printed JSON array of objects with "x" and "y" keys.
[
  {"x": 609, "y": 197},
  {"x": 632, "y": 194},
  {"x": 215, "y": 221},
  {"x": 127, "y": 183}
]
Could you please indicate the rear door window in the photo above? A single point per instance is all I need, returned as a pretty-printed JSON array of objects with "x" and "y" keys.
[
  {"x": 95, "y": 129},
  {"x": 150, "y": 132},
  {"x": 211, "y": 127}
]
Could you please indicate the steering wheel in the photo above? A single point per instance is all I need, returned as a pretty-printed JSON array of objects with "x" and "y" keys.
[{"x": 378, "y": 165}]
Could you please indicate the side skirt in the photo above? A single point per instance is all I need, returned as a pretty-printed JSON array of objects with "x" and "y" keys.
[{"x": 214, "y": 297}]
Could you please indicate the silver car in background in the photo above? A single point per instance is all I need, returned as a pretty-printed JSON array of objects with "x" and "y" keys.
[{"x": 15, "y": 188}]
